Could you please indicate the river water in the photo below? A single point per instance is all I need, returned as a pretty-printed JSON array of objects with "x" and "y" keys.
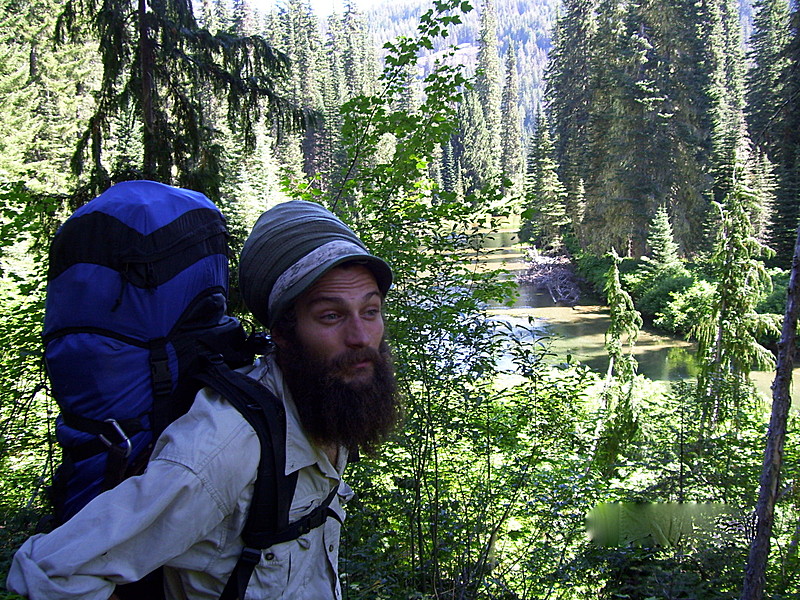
[{"x": 579, "y": 331}]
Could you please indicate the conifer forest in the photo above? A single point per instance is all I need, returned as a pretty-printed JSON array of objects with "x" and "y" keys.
[{"x": 641, "y": 155}]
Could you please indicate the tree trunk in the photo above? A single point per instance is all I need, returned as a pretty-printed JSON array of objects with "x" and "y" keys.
[
  {"x": 146, "y": 66},
  {"x": 755, "y": 572}
]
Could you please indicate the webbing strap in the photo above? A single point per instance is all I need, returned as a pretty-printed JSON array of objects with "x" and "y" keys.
[
  {"x": 162, "y": 385},
  {"x": 269, "y": 506},
  {"x": 251, "y": 555},
  {"x": 95, "y": 427}
]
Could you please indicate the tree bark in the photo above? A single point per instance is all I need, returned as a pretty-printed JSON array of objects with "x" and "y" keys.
[
  {"x": 755, "y": 572},
  {"x": 147, "y": 66}
]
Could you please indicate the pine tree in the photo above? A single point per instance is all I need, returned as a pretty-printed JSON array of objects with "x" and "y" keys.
[
  {"x": 623, "y": 123},
  {"x": 661, "y": 242},
  {"x": 358, "y": 57},
  {"x": 512, "y": 161},
  {"x": 157, "y": 62},
  {"x": 728, "y": 92},
  {"x": 544, "y": 218},
  {"x": 569, "y": 89},
  {"x": 488, "y": 88},
  {"x": 787, "y": 152},
  {"x": 767, "y": 43},
  {"x": 473, "y": 144},
  {"x": 681, "y": 74},
  {"x": 727, "y": 346},
  {"x": 621, "y": 424},
  {"x": 46, "y": 96},
  {"x": 244, "y": 19}
]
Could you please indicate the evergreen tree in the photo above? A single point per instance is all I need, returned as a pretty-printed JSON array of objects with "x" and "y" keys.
[
  {"x": 512, "y": 161},
  {"x": 223, "y": 16},
  {"x": 244, "y": 19},
  {"x": 787, "y": 150},
  {"x": 357, "y": 54},
  {"x": 488, "y": 88},
  {"x": 680, "y": 67},
  {"x": 663, "y": 251},
  {"x": 623, "y": 123},
  {"x": 46, "y": 97},
  {"x": 296, "y": 32},
  {"x": 544, "y": 217},
  {"x": 727, "y": 346},
  {"x": 157, "y": 62},
  {"x": 621, "y": 423},
  {"x": 767, "y": 44},
  {"x": 728, "y": 92},
  {"x": 569, "y": 89},
  {"x": 473, "y": 144}
]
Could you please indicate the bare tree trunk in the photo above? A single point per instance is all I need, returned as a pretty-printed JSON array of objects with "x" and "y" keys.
[
  {"x": 755, "y": 572},
  {"x": 147, "y": 66}
]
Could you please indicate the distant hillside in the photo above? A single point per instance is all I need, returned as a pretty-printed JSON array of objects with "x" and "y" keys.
[{"x": 525, "y": 23}]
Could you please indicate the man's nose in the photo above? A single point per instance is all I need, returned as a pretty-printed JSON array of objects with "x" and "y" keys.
[{"x": 356, "y": 333}]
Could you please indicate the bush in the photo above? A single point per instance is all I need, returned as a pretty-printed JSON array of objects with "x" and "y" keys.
[
  {"x": 685, "y": 308},
  {"x": 594, "y": 269},
  {"x": 775, "y": 300},
  {"x": 658, "y": 292}
]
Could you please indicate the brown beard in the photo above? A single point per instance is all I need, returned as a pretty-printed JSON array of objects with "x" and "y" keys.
[{"x": 358, "y": 414}]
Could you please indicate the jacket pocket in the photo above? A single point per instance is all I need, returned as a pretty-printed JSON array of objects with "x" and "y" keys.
[{"x": 271, "y": 576}]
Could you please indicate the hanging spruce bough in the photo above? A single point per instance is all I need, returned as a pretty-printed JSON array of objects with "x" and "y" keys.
[
  {"x": 625, "y": 322},
  {"x": 727, "y": 336},
  {"x": 161, "y": 75},
  {"x": 621, "y": 423}
]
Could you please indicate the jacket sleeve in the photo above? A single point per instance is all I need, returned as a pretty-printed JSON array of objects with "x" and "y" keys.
[{"x": 144, "y": 522}]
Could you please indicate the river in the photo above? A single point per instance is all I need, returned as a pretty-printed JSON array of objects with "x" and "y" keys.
[{"x": 579, "y": 331}]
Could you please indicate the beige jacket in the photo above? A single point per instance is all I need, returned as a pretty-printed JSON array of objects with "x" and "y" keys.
[{"x": 186, "y": 512}]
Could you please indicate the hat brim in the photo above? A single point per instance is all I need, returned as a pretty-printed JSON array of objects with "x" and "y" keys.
[{"x": 380, "y": 271}]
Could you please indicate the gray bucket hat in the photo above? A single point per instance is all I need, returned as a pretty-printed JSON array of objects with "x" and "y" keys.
[{"x": 291, "y": 246}]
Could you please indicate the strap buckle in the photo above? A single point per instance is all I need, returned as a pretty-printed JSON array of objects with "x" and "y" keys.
[{"x": 125, "y": 440}]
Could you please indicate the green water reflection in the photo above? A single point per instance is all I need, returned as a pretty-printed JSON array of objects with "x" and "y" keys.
[{"x": 580, "y": 332}]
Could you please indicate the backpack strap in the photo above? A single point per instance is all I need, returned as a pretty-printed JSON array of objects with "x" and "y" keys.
[{"x": 267, "y": 521}]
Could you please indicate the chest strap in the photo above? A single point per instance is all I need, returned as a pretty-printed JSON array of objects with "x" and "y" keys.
[{"x": 251, "y": 553}]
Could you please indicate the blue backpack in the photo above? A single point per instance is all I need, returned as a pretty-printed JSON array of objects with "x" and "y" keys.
[
  {"x": 135, "y": 324},
  {"x": 137, "y": 282}
]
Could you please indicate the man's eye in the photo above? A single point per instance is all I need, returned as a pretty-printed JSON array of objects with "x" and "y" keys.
[{"x": 329, "y": 316}]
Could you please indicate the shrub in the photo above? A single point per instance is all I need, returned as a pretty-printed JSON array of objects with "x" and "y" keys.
[
  {"x": 685, "y": 308},
  {"x": 659, "y": 291}
]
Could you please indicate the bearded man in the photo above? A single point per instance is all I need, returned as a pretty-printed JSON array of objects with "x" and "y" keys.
[{"x": 307, "y": 277}]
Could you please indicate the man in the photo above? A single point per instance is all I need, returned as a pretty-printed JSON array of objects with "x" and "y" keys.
[{"x": 307, "y": 277}]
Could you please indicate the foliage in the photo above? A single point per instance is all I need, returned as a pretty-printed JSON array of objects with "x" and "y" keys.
[
  {"x": 45, "y": 99},
  {"x": 23, "y": 427},
  {"x": 158, "y": 66},
  {"x": 774, "y": 301},
  {"x": 593, "y": 269},
  {"x": 625, "y": 323},
  {"x": 661, "y": 272},
  {"x": 621, "y": 423},
  {"x": 686, "y": 308},
  {"x": 544, "y": 218},
  {"x": 483, "y": 492},
  {"x": 456, "y": 491},
  {"x": 727, "y": 346}
]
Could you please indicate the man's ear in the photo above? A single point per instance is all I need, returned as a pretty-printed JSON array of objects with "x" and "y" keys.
[{"x": 278, "y": 338}]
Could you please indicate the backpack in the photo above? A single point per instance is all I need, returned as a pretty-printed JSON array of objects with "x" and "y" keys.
[{"x": 135, "y": 324}]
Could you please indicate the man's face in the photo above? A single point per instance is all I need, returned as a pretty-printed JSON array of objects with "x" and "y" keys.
[
  {"x": 336, "y": 362},
  {"x": 339, "y": 322}
]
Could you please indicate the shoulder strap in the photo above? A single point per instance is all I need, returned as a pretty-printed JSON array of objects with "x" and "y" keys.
[{"x": 268, "y": 516}]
